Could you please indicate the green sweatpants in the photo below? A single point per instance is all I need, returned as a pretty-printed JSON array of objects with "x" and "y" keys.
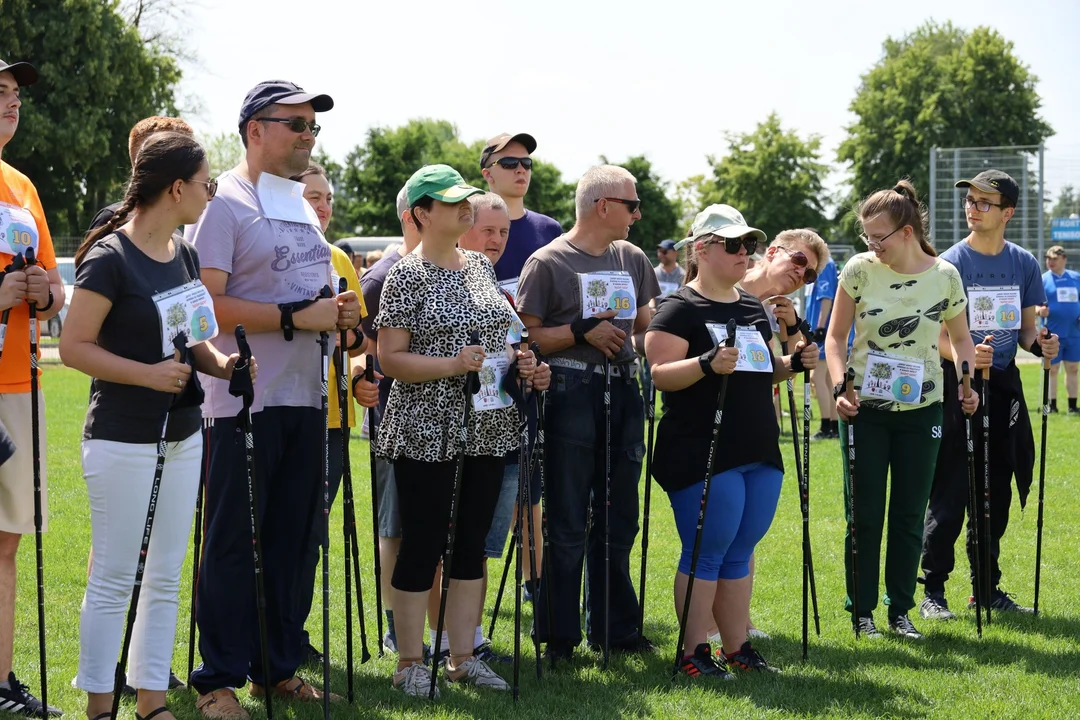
[{"x": 907, "y": 443}]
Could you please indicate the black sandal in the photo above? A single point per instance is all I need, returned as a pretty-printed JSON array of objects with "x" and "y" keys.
[
  {"x": 149, "y": 715},
  {"x": 102, "y": 716}
]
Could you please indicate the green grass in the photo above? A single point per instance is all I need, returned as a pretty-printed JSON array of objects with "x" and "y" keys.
[{"x": 1023, "y": 667}]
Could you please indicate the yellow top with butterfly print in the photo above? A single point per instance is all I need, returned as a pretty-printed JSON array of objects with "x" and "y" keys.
[{"x": 901, "y": 315}]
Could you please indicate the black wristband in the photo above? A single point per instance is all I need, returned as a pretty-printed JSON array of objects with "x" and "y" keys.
[
  {"x": 355, "y": 379},
  {"x": 1036, "y": 349},
  {"x": 705, "y": 361},
  {"x": 794, "y": 329},
  {"x": 581, "y": 326},
  {"x": 49, "y": 304},
  {"x": 838, "y": 389},
  {"x": 358, "y": 342},
  {"x": 287, "y": 326},
  {"x": 797, "y": 363}
]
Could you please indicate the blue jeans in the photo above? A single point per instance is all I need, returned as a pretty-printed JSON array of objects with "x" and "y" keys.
[
  {"x": 504, "y": 514},
  {"x": 575, "y": 481}
]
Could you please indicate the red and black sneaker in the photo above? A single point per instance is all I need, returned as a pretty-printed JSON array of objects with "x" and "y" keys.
[
  {"x": 704, "y": 664},
  {"x": 748, "y": 659}
]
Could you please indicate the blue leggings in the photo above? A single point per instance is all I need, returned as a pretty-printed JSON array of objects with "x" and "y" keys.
[{"x": 742, "y": 503}]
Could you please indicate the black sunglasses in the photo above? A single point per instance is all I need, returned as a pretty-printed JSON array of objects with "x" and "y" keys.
[
  {"x": 631, "y": 205},
  {"x": 511, "y": 163},
  {"x": 799, "y": 259},
  {"x": 297, "y": 124}
]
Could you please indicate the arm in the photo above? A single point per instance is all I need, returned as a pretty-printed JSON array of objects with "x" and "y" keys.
[
  {"x": 843, "y": 315},
  {"x": 641, "y": 324},
  {"x": 400, "y": 364},
  {"x": 960, "y": 351},
  {"x": 39, "y": 283},
  {"x": 783, "y": 367},
  {"x": 211, "y": 361},
  {"x": 823, "y": 313},
  {"x": 672, "y": 370},
  {"x": 79, "y": 350},
  {"x": 604, "y": 336},
  {"x": 264, "y": 317}
]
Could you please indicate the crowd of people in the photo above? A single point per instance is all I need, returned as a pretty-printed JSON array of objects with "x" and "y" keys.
[{"x": 485, "y": 319}]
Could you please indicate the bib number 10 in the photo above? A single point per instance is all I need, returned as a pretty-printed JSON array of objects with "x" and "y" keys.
[{"x": 21, "y": 237}]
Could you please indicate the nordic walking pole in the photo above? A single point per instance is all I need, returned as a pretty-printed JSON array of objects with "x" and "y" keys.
[
  {"x": 324, "y": 368},
  {"x": 987, "y": 544},
  {"x": 35, "y": 425},
  {"x": 529, "y": 523},
  {"x": 650, "y": 414},
  {"x": 240, "y": 385},
  {"x": 15, "y": 265},
  {"x": 849, "y": 389},
  {"x": 472, "y": 385},
  {"x": 517, "y": 577},
  {"x": 972, "y": 497},
  {"x": 607, "y": 511},
  {"x": 208, "y": 427},
  {"x": 502, "y": 583},
  {"x": 1042, "y": 473},
  {"x": 179, "y": 355},
  {"x": 369, "y": 375},
  {"x": 805, "y": 489},
  {"x": 541, "y": 468},
  {"x": 729, "y": 341},
  {"x": 802, "y": 482}
]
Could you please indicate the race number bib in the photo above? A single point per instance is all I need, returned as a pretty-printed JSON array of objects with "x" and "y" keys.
[
  {"x": 509, "y": 287},
  {"x": 491, "y": 395},
  {"x": 603, "y": 291},
  {"x": 513, "y": 335},
  {"x": 18, "y": 230},
  {"x": 994, "y": 308},
  {"x": 754, "y": 354},
  {"x": 1068, "y": 295},
  {"x": 666, "y": 288},
  {"x": 889, "y": 377},
  {"x": 189, "y": 309}
]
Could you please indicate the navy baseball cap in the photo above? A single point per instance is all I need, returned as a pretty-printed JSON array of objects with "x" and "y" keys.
[
  {"x": 25, "y": 73},
  {"x": 667, "y": 245},
  {"x": 281, "y": 92}
]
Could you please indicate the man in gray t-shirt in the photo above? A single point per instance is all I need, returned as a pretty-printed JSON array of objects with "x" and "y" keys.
[
  {"x": 261, "y": 252},
  {"x": 582, "y": 296}
]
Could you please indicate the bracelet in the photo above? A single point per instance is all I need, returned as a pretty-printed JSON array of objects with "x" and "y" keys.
[
  {"x": 49, "y": 304},
  {"x": 358, "y": 342}
]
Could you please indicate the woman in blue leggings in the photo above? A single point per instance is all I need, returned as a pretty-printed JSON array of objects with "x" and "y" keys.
[{"x": 683, "y": 346}]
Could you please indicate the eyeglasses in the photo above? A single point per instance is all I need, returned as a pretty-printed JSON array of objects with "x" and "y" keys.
[
  {"x": 631, "y": 205},
  {"x": 866, "y": 240},
  {"x": 980, "y": 205},
  {"x": 732, "y": 245},
  {"x": 211, "y": 187},
  {"x": 511, "y": 163},
  {"x": 799, "y": 260},
  {"x": 297, "y": 124}
]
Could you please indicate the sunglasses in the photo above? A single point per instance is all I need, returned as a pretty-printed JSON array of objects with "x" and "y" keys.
[
  {"x": 297, "y": 124},
  {"x": 211, "y": 187},
  {"x": 511, "y": 163},
  {"x": 732, "y": 245},
  {"x": 631, "y": 205},
  {"x": 799, "y": 260}
]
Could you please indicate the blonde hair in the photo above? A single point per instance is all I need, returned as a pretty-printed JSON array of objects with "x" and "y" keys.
[
  {"x": 597, "y": 183},
  {"x": 789, "y": 239}
]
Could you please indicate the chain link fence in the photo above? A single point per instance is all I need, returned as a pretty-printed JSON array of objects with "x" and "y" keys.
[{"x": 1025, "y": 163}]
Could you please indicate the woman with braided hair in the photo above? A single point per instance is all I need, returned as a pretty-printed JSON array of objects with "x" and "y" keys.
[
  {"x": 898, "y": 295},
  {"x": 136, "y": 288}
]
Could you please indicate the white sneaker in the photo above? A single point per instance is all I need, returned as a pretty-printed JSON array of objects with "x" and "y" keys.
[
  {"x": 755, "y": 634},
  {"x": 414, "y": 680},
  {"x": 476, "y": 672}
]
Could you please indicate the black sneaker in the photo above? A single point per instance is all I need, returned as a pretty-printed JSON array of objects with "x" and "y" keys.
[
  {"x": 637, "y": 645},
  {"x": 175, "y": 682},
  {"x": 558, "y": 652},
  {"x": 487, "y": 654},
  {"x": 865, "y": 627},
  {"x": 902, "y": 626},
  {"x": 748, "y": 659},
  {"x": 935, "y": 607},
  {"x": 1001, "y": 601},
  {"x": 312, "y": 656},
  {"x": 704, "y": 664},
  {"x": 527, "y": 591},
  {"x": 16, "y": 699}
]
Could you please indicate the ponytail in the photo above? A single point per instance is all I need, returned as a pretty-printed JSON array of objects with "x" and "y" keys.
[
  {"x": 118, "y": 219},
  {"x": 901, "y": 204}
]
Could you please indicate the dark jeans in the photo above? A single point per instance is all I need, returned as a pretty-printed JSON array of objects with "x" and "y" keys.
[
  {"x": 288, "y": 445},
  {"x": 575, "y": 478},
  {"x": 314, "y": 554}
]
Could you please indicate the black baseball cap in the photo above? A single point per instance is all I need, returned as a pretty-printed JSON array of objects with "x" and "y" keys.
[
  {"x": 281, "y": 92},
  {"x": 994, "y": 181},
  {"x": 25, "y": 73},
  {"x": 666, "y": 245},
  {"x": 500, "y": 141}
]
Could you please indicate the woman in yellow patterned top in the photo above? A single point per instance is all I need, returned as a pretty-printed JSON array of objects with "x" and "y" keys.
[{"x": 898, "y": 295}]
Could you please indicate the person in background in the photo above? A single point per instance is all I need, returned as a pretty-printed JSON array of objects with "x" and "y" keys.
[
  {"x": 818, "y": 309},
  {"x": 668, "y": 272},
  {"x": 1062, "y": 315}
]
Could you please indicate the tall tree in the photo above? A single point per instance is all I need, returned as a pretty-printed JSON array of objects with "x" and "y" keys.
[
  {"x": 659, "y": 213},
  {"x": 773, "y": 177},
  {"x": 223, "y": 150},
  {"x": 374, "y": 172},
  {"x": 1068, "y": 203},
  {"x": 938, "y": 86},
  {"x": 72, "y": 138}
]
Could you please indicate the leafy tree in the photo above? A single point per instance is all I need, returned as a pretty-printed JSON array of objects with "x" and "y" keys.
[
  {"x": 176, "y": 315},
  {"x": 690, "y": 199},
  {"x": 223, "y": 151},
  {"x": 72, "y": 138},
  {"x": 659, "y": 213},
  {"x": 596, "y": 289},
  {"x": 939, "y": 86},
  {"x": 773, "y": 177},
  {"x": 1067, "y": 204}
]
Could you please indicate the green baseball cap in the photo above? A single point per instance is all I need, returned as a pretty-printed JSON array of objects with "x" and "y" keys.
[{"x": 440, "y": 182}]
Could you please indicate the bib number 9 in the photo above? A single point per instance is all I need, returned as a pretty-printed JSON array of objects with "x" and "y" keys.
[{"x": 905, "y": 389}]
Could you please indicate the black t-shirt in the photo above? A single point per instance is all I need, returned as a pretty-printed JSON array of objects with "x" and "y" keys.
[
  {"x": 749, "y": 432},
  {"x": 103, "y": 216},
  {"x": 119, "y": 271}
]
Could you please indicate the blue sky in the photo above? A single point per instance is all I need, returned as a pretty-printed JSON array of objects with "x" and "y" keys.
[{"x": 588, "y": 78}]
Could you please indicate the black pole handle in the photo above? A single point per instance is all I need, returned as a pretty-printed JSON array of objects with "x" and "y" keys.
[
  {"x": 730, "y": 341},
  {"x": 242, "y": 344},
  {"x": 31, "y": 258},
  {"x": 369, "y": 369}
]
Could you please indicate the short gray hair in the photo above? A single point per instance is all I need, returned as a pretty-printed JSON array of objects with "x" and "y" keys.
[
  {"x": 487, "y": 201},
  {"x": 402, "y": 205},
  {"x": 599, "y": 182}
]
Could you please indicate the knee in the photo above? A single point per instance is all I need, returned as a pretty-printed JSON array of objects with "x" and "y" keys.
[
  {"x": 708, "y": 565},
  {"x": 9, "y": 546}
]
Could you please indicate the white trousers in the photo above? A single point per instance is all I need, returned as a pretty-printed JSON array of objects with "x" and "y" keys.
[{"x": 119, "y": 477}]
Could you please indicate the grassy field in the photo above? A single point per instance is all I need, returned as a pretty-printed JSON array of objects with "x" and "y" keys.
[{"x": 1023, "y": 667}]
